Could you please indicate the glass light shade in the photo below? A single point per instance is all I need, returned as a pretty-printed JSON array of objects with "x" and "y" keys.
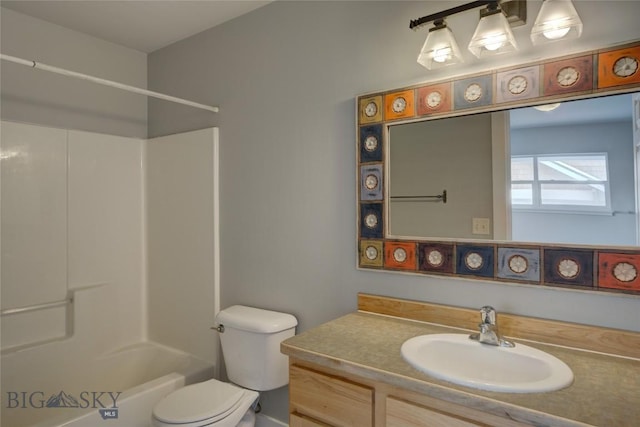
[
  {"x": 547, "y": 107},
  {"x": 556, "y": 20},
  {"x": 440, "y": 49},
  {"x": 493, "y": 36}
]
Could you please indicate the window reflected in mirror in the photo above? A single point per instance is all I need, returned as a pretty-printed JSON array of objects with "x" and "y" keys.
[{"x": 561, "y": 183}]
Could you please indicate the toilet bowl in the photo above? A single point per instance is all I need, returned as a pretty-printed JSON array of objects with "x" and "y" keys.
[
  {"x": 209, "y": 403},
  {"x": 250, "y": 339}
]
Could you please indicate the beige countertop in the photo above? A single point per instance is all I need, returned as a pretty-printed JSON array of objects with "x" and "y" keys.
[{"x": 605, "y": 391}]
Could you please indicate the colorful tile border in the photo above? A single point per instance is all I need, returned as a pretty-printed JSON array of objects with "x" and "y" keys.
[
  {"x": 521, "y": 264},
  {"x": 371, "y": 253},
  {"x": 400, "y": 255},
  {"x": 619, "y": 271},
  {"x": 473, "y": 92},
  {"x": 475, "y": 260},
  {"x": 371, "y": 182},
  {"x": 371, "y": 146},
  {"x": 570, "y": 267},
  {"x": 626, "y": 59},
  {"x": 562, "y": 267},
  {"x": 573, "y": 76},
  {"x": 577, "y": 76},
  {"x": 433, "y": 99},
  {"x": 518, "y": 85},
  {"x": 399, "y": 105},
  {"x": 371, "y": 221},
  {"x": 435, "y": 258}
]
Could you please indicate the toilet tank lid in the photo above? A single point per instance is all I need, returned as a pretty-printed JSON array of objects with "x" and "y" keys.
[{"x": 255, "y": 319}]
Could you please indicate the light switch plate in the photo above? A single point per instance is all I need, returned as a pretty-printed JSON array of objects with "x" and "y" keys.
[{"x": 480, "y": 226}]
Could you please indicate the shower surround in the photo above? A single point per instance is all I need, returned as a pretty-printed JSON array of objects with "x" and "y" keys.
[{"x": 82, "y": 282}]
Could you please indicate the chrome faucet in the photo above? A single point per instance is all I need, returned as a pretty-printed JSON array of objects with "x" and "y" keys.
[{"x": 489, "y": 329}]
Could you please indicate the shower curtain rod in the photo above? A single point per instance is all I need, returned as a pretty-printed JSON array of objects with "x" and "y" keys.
[{"x": 45, "y": 67}]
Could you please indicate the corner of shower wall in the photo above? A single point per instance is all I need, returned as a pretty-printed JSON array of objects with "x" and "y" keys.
[{"x": 182, "y": 241}]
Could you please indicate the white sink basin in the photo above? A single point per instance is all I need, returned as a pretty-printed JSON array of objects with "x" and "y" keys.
[{"x": 457, "y": 359}]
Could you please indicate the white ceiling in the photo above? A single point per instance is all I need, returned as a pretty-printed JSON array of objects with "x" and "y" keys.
[{"x": 141, "y": 25}]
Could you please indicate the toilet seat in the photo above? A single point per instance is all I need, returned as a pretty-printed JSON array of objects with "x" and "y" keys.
[{"x": 202, "y": 404}]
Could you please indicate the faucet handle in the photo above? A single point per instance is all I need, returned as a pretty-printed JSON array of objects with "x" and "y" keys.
[{"x": 488, "y": 315}]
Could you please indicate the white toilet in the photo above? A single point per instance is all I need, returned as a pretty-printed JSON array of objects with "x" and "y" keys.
[{"x": 250, "y": 339}]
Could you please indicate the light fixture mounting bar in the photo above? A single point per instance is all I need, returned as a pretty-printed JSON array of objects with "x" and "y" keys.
[
  {"x": 441, "y": 15},
  {"x": 515, "y": 11}
]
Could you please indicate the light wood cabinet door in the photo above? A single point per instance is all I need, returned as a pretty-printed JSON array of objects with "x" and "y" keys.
[
  {"x": 329, "y": 399},
  {"x": 405, "y": 414},
  {"x": 296, "y": 420}
]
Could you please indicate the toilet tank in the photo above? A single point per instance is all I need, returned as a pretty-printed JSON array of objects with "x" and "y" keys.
[{"x": 251, "y": 346}]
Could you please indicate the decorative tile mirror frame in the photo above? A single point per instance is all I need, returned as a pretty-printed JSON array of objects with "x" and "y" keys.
[{"x": 596, "y": 268}]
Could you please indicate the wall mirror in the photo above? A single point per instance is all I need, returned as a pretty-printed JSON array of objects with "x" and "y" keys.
[
  {"x": 481, "y": 177},
  {"x": 561, "y": 174}
]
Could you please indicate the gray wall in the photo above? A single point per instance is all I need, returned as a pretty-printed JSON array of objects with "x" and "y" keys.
[
  {"x": 286, "y": 77},
  {"x": 429, "y": 157},
  {"x": 613, "y": 138},
  {"x": 40, "y": 97}
]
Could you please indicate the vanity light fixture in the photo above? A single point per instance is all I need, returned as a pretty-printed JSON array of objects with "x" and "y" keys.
[
  {"x": 493, "y": 34},
  {"x": 440, "y": 48},
  {"x": 557, "y": 20}
]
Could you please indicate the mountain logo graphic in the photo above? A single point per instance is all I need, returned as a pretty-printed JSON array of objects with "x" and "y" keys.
[{"x": 62, "y": 400}]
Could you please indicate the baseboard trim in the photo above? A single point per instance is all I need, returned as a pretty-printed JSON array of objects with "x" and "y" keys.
[{"x": 267, "y": 421}]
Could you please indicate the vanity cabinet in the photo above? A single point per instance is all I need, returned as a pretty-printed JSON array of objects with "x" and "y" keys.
[
  {"x": 350, "y": 372},
  {"x": 401, "y": 413},
  {"x": 320, "y": 396},
  {"x": 296, "y": 420},
  {"x": 321, "y": 399}
]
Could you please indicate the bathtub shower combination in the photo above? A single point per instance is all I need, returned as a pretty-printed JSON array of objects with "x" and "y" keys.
[
  {"x": 74, "y": 310},
  {"x": 123, "y": 386},
  {"x": 74, "y": 383}
]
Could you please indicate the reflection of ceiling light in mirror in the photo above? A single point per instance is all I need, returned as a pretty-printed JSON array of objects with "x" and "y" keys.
[
  {"x": 493, "y": 34},
  {"x": 547, "y": 107},
  {"x": 556, "y": 20},
  {"x": 440, "y": 48}
]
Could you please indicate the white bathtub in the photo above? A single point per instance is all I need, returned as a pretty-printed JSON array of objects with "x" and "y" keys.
[{"x": 117, "y": 389}]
